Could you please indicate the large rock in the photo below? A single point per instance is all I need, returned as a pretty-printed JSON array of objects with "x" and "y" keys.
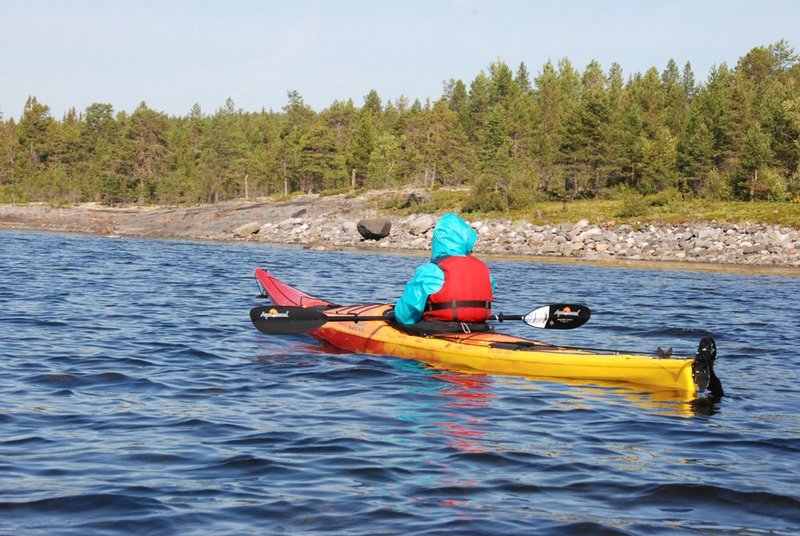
[
  {"x": 374, "y": 228},
  {"x": 247, "y": 229},
  {"x": 422, "y": 225}
]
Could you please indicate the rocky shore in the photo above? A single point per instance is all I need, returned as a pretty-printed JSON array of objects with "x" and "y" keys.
[{"x": 331, "y": 223}]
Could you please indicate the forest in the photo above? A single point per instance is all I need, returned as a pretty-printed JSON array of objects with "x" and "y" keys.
[{"x": 509, "y": 138}]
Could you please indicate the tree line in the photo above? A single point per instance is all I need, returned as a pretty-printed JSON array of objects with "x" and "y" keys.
[{"x": 511, "y": 138}]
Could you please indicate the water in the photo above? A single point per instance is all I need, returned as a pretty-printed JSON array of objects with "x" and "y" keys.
[{"x": 136, "y": 398}]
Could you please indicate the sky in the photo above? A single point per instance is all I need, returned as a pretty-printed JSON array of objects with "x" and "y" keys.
[{"x": 172, "y": 54}]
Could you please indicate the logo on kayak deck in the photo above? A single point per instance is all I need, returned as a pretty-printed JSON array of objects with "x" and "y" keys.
[{"x": 273, "y": 313}]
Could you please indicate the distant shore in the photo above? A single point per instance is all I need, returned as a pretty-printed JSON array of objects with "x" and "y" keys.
[{"x": 330, "y": 222}]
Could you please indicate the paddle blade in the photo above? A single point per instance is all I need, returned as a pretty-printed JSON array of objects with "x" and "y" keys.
[
  {"x": 559, "y": 316},
  {"x": 283, "y": 320}
]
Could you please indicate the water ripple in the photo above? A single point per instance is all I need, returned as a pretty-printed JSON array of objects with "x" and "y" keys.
[{"x": 137, "y": 399}]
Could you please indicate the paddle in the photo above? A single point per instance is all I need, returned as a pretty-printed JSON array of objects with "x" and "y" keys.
[{"x": 285, "y": 320}]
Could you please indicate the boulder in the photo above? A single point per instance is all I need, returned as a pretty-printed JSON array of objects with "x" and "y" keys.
[
  {"x": 374, "y": 228},
  {"x": 422, "y": 225},
  {"x": 247, "y": 229},
  {"x": 578, "y": 228}
]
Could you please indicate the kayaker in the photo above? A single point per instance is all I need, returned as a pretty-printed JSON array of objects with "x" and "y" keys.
[{"x": 455, "y": 287}]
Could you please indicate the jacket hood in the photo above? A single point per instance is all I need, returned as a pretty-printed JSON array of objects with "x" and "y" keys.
[{"x": 452, "y": 236}]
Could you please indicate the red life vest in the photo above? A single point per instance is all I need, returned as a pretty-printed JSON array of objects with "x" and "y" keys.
[{"x": 466, "y": 295}]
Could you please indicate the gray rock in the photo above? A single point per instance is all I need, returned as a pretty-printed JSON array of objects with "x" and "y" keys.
[
  {"x": 422, "y": 224},
  {"x": 593, "y": 232},
  {"x": 247, "y": 229},
  {"x": 374, "y": 228},
  {"x": 549, "y": 248}
]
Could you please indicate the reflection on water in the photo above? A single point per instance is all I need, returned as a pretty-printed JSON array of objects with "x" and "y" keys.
[
  {"x": 460, "y": 392},
  {"x": 663, "y": 401}
]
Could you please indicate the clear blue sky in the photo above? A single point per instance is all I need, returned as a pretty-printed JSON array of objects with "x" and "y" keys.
[{"x": 172, "y": 54}]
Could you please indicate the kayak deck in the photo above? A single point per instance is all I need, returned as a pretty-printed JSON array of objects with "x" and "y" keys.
[{"x": 490, "y": 351}]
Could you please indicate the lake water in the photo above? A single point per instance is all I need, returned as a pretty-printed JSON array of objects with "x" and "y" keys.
[{"x": 137, "y": 398}]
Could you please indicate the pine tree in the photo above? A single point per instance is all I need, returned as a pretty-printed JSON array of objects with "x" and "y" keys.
[
  {"x": 585, "y": 145},
  {"x": 455, "y": 92},
  {"x": 147, "y": 158},
  {"x": 372, "y": 104},
  {"x": 695, "y": 151},
  {"x": 676, "y": 101},
  {"x": 502, "y": 83},
  {"x": 445, "y": 148},
  {"x": 9, "y": 149},
  {"x": 756, "y": 156},
  {"x": 384, "y": 161},
  {"x": 34, "y": 131},
  {"x": 688, "y": 83},
  {"x": 297, "y": 120},
  {"x": 321, "y": 166},
  {"x": 615, "y": 133},
  {"x": 360, "y": 151},
  {"x": 480, "y": 102},
  {"x": 523, "y": 80},
  {"x": 549, "y": 120}
]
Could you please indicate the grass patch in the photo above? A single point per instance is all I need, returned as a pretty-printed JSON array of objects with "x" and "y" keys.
[
  {"x": 628, "y": 207},
  {"x": 350, "y": 193},
  {"x": 618, "y": 211},
  {"x": 437, "y": 201}
]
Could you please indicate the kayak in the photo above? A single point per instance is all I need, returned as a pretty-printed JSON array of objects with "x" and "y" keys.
[{"x": 368, "y": 329}]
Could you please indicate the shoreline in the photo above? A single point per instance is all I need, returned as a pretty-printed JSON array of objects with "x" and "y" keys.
[{"x": 330, "y": 223}]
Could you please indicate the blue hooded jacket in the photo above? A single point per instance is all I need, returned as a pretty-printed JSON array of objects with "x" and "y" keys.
[{"x": 451, "y": 236}]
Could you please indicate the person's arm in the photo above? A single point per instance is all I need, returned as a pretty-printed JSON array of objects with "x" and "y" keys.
[{"x": 428, "y": 279}]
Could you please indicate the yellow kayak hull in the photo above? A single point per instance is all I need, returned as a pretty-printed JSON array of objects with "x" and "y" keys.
[{"x": 479, "y": 352}]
